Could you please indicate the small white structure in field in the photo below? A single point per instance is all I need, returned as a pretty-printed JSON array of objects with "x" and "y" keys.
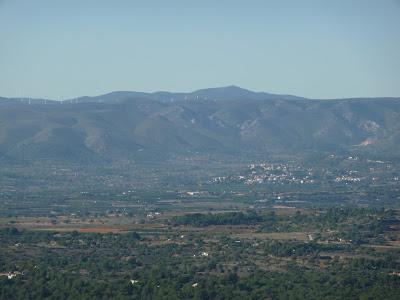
[
  {"x": 133, "y": 281},
  {"x": 195, "y": 284},
  {"x": 11, "y": 275}
]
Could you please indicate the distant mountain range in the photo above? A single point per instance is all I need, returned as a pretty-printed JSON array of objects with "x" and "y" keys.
[{"x": 227, "y": 120}]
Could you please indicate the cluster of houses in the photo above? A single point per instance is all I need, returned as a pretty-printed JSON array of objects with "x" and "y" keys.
[
  {"x": 152, "y": 215},
  {"x": 347, "y": 179},
  {"x": 270, "y": 173},
  {"x": 291, "y": 173}
]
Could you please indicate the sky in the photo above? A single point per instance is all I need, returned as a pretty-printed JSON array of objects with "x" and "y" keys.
[{"x": 319, "y": 49}]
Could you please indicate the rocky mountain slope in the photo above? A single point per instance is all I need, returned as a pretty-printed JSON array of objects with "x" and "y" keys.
[{"x": 230, "y": 120}]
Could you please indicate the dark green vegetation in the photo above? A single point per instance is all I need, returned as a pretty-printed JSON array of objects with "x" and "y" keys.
[
  {"x": 226, "y": 122},
  {"x": 355, "y": 226},
  {"x": 233, "y": 218},
  {"x": 221, "y": 263}
]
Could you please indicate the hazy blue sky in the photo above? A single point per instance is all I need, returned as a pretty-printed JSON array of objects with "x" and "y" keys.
[{"x": 61, "y": 49}]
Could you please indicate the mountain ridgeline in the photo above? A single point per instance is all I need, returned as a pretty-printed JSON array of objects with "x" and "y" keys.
[{"x": 227, "y": 121}]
